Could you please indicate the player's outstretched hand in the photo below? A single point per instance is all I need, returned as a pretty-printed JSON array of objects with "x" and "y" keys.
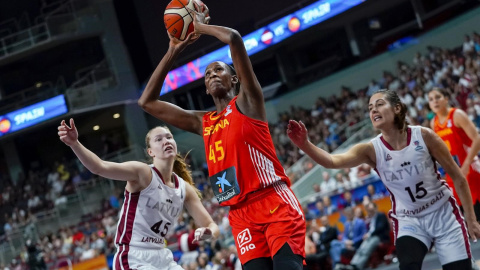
[
  {"x": 297, "y": 132},
  {"x": 180, "y": 45},
  {"x": 473, "y": 230},
  {"x": 68, "y": 134},
  {"x": 203, "y": 233}
]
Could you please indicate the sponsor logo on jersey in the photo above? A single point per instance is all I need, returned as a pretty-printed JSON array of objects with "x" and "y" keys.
[
  {"x": 275, "y": 209},
  {"x": 388, "y": 157},
  {"x": 169, "y": 201},
  {"x": 408, "y": 228},
  {"x": 418, "y": 147},
  {"x": 159, "y": 186},
  {"x": 229, "y": 110},
  {"x": 449, "y": 123},
  {"x": 243, "y": 241},
  {"x": 225, "y": 185}
]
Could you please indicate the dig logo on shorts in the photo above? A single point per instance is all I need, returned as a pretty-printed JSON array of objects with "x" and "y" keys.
[{"x": 243, "y": 240}]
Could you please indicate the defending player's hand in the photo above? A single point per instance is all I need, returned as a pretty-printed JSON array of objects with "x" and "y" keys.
[
  {"x": 297, "y": 132},
  {"x": 68, "y": 134},
  {"x": 473, "y": 230},
  {"x": 203, "y": 233}
]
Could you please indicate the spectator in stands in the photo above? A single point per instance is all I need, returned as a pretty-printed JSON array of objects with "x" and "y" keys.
[
  {"x": 319, "y": 209},
  {"x": 341, "y": 183},
  {"x": 314, "y": 258},
  {"x": 328, "y": 206},
  {"x": 351, "y": 238},
  {"x": 328, "y": 233},
  {"x": 468, "y": 45},
  {"x": 328, "y": 184},
  {"x": 378, "y": 232},
  {"x": 347, "y": 200}
]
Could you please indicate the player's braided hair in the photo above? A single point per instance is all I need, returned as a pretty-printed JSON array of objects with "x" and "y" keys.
[
  {"x": 180, "y": 167},
  {"x": 392, "y": 97}
]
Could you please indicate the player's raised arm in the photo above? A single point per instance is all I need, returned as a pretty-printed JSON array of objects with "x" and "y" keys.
[
  {"x": 358, "y": 154},
  {"x": 127, "y": 171},
  {"x": 250, "y": 98},
  {"x": 165, "y": 111}
]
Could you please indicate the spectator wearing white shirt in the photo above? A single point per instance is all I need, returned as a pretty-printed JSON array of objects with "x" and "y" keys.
[
  {"x": 468, "y": 45},
  {"x": 328, "y": 184}
]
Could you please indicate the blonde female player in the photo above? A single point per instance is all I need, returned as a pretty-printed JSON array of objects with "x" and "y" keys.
[
  {"x": 462, "y": 140},
  {"x": 245, "y": 174},
  {"x": 154, "y": 197},
  {"x": 423, "y": 208}
]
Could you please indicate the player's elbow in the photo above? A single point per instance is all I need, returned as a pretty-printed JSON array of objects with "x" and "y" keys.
[
  {"x": 235, "y": 37},
  {"x": 146, "y": 105}
]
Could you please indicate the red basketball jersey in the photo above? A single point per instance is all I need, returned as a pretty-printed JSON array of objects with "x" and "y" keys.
[
  {"x": 458, "y": 143},
  {"x": 455, "y": 138},
  {"x": 240, "y": 155}
]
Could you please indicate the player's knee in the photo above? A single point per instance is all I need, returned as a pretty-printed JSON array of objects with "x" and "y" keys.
[
  {"x": 286, "y": 259},
  {"x": 259, "y": 264},
  {"x": 463, "y": 264},
  {"x": 410, "y": 252}
]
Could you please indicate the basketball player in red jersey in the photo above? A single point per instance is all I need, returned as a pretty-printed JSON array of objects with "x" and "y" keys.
[
  {"x": 462, "y": 140},
  {"x": 266, "y": 218}
]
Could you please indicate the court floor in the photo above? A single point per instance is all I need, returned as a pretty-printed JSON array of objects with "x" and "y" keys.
[{"x": 431, "y": 261}]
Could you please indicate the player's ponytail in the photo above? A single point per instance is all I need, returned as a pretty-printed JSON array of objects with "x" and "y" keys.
[
  {"x": 180, "y": 167},
  {"x": 400, "y": 120}
]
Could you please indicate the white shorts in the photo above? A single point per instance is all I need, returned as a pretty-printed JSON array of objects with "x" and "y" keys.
[
  {"x": 128, "y": 258},
  {"x": 444, "y": 227}
]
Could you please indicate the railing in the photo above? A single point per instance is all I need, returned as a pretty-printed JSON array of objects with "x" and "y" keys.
[
  {"x": 299, "y": 168},
  {"x": 24, "y": 39},
  {"x": 308, "y": 172},
  {"x": 85, "y": 91},
  {"x": 38, "y": 92}
]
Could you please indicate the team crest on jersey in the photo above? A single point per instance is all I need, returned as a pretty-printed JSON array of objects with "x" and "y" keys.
[
  {"x": 225, "y": 185},
  {"x": 418, "y": 147},
  {"x": 449, "y": 123},
  {"x": 228, "y": 111},
  {"x": 388, "y": 157}
]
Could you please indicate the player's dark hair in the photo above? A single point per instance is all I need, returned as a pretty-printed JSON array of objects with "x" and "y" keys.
[
  {"x": 400, "y": 120},
  {"x": 180, "y": 167},
  {"x": 442, "y": 91},
  {"x": 234, "y": 72}
]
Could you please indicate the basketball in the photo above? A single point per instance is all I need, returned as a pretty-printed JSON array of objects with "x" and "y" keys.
[{"x": 177, "y": 17}]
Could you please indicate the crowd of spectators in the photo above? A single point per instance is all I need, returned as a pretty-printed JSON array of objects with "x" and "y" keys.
[{"x": 456, "y": 70}]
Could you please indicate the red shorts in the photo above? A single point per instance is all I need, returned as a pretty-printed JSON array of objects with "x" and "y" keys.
[
  {"x": 473, "y": 179},
  {"x": 267, "y": 220}
]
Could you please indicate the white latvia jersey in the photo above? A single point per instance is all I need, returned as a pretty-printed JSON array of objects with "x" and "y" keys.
[
  {"x": 147, "y": 216},
  {"x": 410, "y": 176}
]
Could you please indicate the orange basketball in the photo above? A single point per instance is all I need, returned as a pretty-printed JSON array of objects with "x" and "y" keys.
[{"x": 177, "y": 17}]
